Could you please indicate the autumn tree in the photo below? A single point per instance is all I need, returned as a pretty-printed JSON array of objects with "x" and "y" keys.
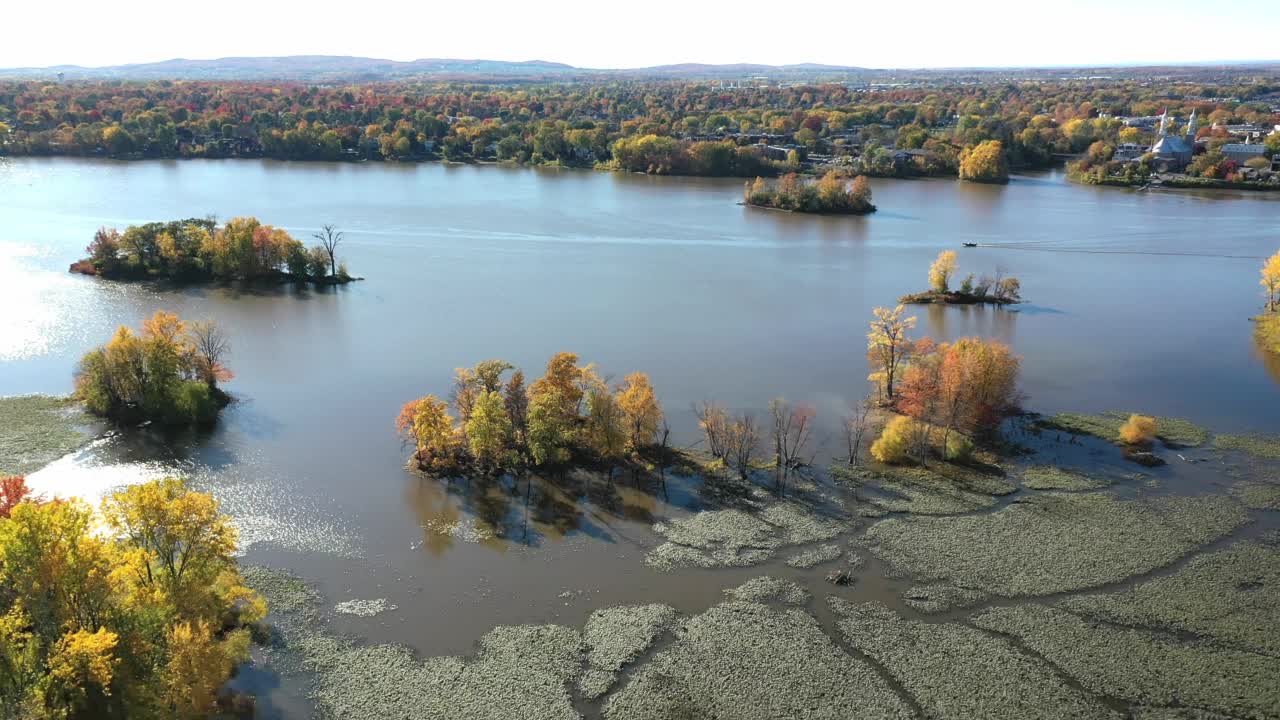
[
  {"x": 13, "y": 490},
  {"x": 138, "y": 610},
  {"x": 985, "y": 162},
  {"x": 640, "y": 410},
  {"x": 965, "y": 387},
  {"x": 427, "y": 423},
  {"x": 1271, "y": 281},
  {"x": 161, "y": 375},
  {"x": 488, "y": 429},
  {"x": 551, "y": 431},
  {"x": 606, "y": 423},
  {"x": 941, "y": 270},
  {"x": 179, "y": 544},
  {"x": 562, "y": 380},
  {"x": 516, "y": 398},
  {"x": 888, "y": 347}
]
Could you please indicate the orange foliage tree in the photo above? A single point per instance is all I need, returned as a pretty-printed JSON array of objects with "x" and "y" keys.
[{"x": 965, "y": 387}]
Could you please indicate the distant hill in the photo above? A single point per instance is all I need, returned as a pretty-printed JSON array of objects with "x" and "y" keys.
[{"x": 337, "y": 67}]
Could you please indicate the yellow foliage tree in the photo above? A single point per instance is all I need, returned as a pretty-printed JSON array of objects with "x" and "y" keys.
[
  {"x": 426, "y": 421},
  {"x": 81, "y": 667},
  {"x": 888, "y": 347},
  {"x": 136, "y": 612},
  {"x": 984, "y": 162},
  {"x": 562, "y": 381},
  {"x": 178, "y": 546},
  {"x": 1271, "y": 281},
  {"x": 198, "y": 666},
  {"x": 640, "y": 408},
  {"x": 894, "y": 444},
  {"x": 1138, "y": 430},
  {"x": 941, "y": 270}
]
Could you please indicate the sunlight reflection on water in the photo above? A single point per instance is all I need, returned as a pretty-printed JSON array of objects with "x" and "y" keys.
[
  {"x": 90, "y": 474},
  {"x": 264, "y": 511}
]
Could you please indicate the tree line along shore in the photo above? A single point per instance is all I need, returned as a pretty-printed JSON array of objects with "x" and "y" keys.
[{"x": 948, "y": 127}]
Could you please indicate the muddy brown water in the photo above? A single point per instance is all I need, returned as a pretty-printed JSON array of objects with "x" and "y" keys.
[{"x": 1137, "y": 301}]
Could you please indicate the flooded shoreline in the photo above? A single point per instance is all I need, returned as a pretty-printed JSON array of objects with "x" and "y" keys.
[{"x": 668, "y": 276}]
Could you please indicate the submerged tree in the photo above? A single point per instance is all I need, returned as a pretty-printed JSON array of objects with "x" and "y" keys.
[
  {"x": 791, "y": 431},
  {"x": 742, "y": 439}
]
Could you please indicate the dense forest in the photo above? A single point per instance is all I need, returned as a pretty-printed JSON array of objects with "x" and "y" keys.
[{"x": 685, "y": 127}]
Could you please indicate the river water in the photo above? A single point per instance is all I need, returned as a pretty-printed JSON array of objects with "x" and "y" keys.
[{"x": 1136, "y": 301}]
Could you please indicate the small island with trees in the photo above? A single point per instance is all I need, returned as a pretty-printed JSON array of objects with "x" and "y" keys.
[
  {"x": 998, "y": 290},
  {"x": 198, "y": 250},
  {"x": 167, "y": 375},
  {"x": 568, "y": 416},
  {"x": 830, "y": 195}
]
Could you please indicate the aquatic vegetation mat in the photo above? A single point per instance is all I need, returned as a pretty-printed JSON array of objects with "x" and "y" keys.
[
  {"x": 1266, "y": 447},
  {"x": 1173, "y": 432},
  {"x": 739, "y": 538},
  {"x": 520, "y": 671},
  {"x": 815, "y": 556},
  {"x": 932, "y": 599},
  {"x": 955, "y": 671},
  {"x": 363, "y": 608},
  {"x": 1231, "y": 596},
  {"x": 768, "y": 589},
  {"x": 940, "y": 489},
  {"x": 617, "y": 636},
  {"x": 1052, "y": 542},
  {"x": 1259, "y": 495},
  {"x": 743, "y": 661},
  {"x": 1049, "y": 477},
  {"x": 1144, "y": 667},
  {"x": 35, "y": 430}
]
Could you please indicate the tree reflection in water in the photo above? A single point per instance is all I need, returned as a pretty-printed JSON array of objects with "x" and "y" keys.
[{"x": 529, "y": 510}]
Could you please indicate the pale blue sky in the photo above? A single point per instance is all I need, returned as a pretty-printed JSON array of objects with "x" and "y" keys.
[{"x": 595, "y": 33}]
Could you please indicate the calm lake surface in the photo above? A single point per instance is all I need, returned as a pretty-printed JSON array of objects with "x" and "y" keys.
[{"x": 1137, "y": 301}]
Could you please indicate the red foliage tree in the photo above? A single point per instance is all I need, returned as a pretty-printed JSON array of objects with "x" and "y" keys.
[{"x": 13, "y": 490}]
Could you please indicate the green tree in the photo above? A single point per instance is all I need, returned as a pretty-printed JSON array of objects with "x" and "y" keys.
[
  {"x": 489, "y": 429},
  {"x": 550, "y": 429}
]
